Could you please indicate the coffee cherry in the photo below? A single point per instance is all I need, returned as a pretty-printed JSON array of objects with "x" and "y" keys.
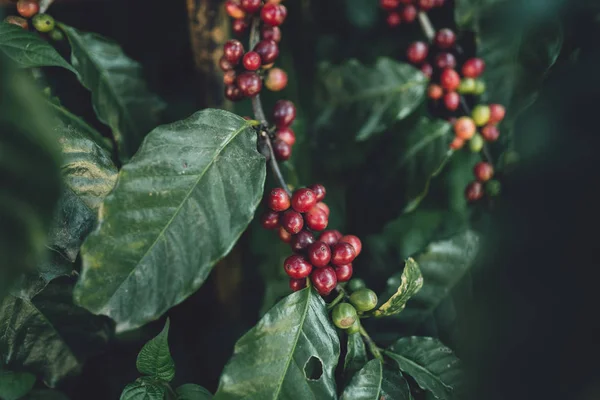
[
  {"x": 497, "y": 112},
  {"x": 409, "y": 13},
  {"x": 284, "y": 235},
  {"x": 483, "y": 171},
  {"x": 278, "y": 200},
  {"x": 417, "y": 52},
  {"x": 287, "y": 135},
  {"x": 354, "y": 241},
  {"x": 464, "y": 128},
  {"x": 228, "y": 77},
  {"x": 319, "y": 191},
  {"x": 451, "y": 101},
  {"x": 319, "y": 254},
  {"x": 249, "y": 83},
  {"x": 18, "y": 21},
  {"x": 297, "y": 284},
  {"x": 282, "y": 150},
  {"x": 389, "y": 5},
  {"x": 473, "y": 67},
  {"x": 481, "y": 114},
  {"x": 250, "y": 6},
  {"x": 450, "y": 79},
  {"x": 445, "y": 60},
  {"x": 233, "y": 50},
  {"x": 303, "y": 200},
  {"x": 474, "y": 191},
  {"x": 43, "y": 22},
  {"x": 284, "y": 113},
  {"x": 439, "y": 3},
  {"x": 323, "y": 207},
  {"x": 476, "y": 143},
  {"x": 302, "y": 240},
  {"x": 233, "y": 93},
  {"x": 267, "y": 50},
  {"x": 239, "y": 26},
  {"x": 251, "y": 61},
  {"x": 225, "y": 65},
  {"x": 270, "y": 219},
  {"x": 57, "y": 35},
  {"x": 490, "y": 133},
  {"x": 28, "y": 8},
  {"x": 427, "y": 70},
  {"x": 426, "y": 5},
  {"x": 234, "y": 10},
  {"x": 292, "y": 221},
  {"x": 457, "y": 143},
  {"x": 354, "y": 328},
  {"x": 467, "y": 86},
  {"x": 324, "y": 280},
  {"x": 493, "y": 188},
  {"x": 343, "y": 273},
  {"x": 364, "y": 299},
  {"x": 273, "y": 14},
  {"x": 330, "y": 237},
  {"x": 344, "y": 315},
  {"x": 435, "y": 92},
  {"x": 479, "y": 87},
  {"x": 276, "y": 79},
  {"x": 393, "y": 19},
  {"x": 342, "y": 253},
  {"x": 316, "y": 219},
  {"x": 297, "y": 267},
  {"x": 271, "y": 33},
  {"x": 356, "y": 284},
  {"x": 444, "y": 39}
]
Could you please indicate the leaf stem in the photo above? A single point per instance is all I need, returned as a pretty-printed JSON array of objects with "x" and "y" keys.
[
  {"x": 376, "y": 351},
  {"x": 335, "y": 301}
]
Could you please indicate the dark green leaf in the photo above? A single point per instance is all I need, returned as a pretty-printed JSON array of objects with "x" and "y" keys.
[
  {"x": 394, "y": 386},
  {"x": 467, "y": 13},
  {"x": 47, "y": 334},
  {"x": 411, "y": 282},
  {"x": 191, "y": 391},
  {"x": 362, "y": 13},
  {"x": 144, "y": 389},
  {"x": 14, "y": 385},
  {"x": 356, "y": 355},
  {"x": 432, "y": 365},
  {"x": 179, "y": 206},
  {"x": 155, "y": 358},
  {"x": 366, "y": 383},
  {"x": 45, "y": 394},
  {"x": 291, "y": 353},
  {"x": 27, "y": 49},
  {"x": 120, "y": 96},
  {"x": 370, "y": 98}
]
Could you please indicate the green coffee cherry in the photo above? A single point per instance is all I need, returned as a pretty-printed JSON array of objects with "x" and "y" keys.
[
  {"x": 364, "y": 299},
  {"x": 479, "y": 87},
  {"x": 356, "y": 284},
  {"x": 43, "y": 22},
  {"x": 467, "y": 86},
  {"x": 355, "y": 327},
  {"x": 481, "y": 115},
  {"x": 57, "y": 35},
  {"x": 476, "y": 143},
  {"x": 493, "y": 188},
  {"x": 344, "y": 315}
]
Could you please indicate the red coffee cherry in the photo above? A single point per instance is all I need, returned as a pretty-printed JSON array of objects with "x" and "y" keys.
[
  {"x": 224, "y": 64},
  {"x": 233, "y": 93},
  {"x": 490, "y": 133},
  {"x": 445, "y": 60},
  {"x": 239, "y": 26},
  {"x": 278, "y": 200},
  {"x": 282, "y": 150},
  {"x": 250, "y": 6},
  {"x": 464, "y": 128},
  {"x": 319, "y": 254},
  {"x": 483, "y": 171},
  {"x": 297, "y": 284},
  {"x": 249, "y": 83},
  {"x": 18, "y": 21},
  {"x": 393, "y": 19},
  {"x": 302, "y": 240},
  {"x": 316, "y": 219},
  {"x": 427, "y": 70},
  {"x": 297, "y": 267},
  {"x": 323, "y": 207},
  {"x": 319, "y": 191},
  {"x": 229, "y": 77},
  {"x": 276, "y": 79},
  {"x": 473, "y": 67},
  {"x": 452, "y": 100},
  {"x": 270, "y": 219},
  {"x": 426, "y": 5},
  {"x": 292, "y": 221},
  {"x": 444, "y": 39},
  {"x": 271, "y": 33},
  {"x": 303, "y": 200},
  {"x": 449, "y": 79},
  {"x": 287, "y": 135},
  {"x": 330, "y": 237},
  {"x": 324, "y": 280},
  {"x": 457, "y": 143},
  {"x": 233, "y": 50},
  {"x": 343, "y": 273},
  {"x": 342, "y": 253},
  {"x": 389, "y": 5},
  {"x": 284, "y": 235},
  {"x": 354, "y": 241},
  {"x": 474, "y": 191},
  {"x": 497, "y": 113},
  {"x": 28, "y": 8},
  {"x": 251, "y": 61},
  {"x": 409, "y": 13},
  {"x": 267, "y": 50},
  {"x": 435, "y": 92},
  {"x": 284, "y": 113},
  {"x": 234, "y": 10},
  {"x": 417, "y": 52},
  {"x": 273, "y": 14}
]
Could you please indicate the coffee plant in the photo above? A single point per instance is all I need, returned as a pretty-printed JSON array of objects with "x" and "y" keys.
[{"x": 278, "y": 200}]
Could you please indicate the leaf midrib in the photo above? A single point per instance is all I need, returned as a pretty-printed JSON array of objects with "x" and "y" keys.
[
  {"x": 367, "y": 94},
  {"x": 396, "y": 356}
]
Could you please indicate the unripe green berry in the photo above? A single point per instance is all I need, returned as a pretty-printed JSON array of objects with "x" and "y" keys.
[
  {"x": 344, "y": 315},
  {"x": 355, "y": 327},
  {"x": 356, "y": 284},
  {"x": 493, "y": 188},
  {"x": 476, "y": 143},
  {"x": 481, "y": 115},
  {"x": 467, "y": 86},
  {"x": 479, "y": 87},
  {"x": 43, "y": 22},
  {"x": 57, "y": 35},
  {"x": 364, "y": 299}
]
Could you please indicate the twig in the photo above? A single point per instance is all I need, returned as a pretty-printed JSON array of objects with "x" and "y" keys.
[
  {"x": 335, "y": 301},
  {"x": 376, "y": 351}
]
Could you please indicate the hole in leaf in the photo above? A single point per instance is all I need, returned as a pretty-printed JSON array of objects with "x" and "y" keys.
[{"x": 313, "y": 369}]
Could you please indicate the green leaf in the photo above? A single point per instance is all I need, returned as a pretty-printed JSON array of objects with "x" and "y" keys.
[
  {"x": 120, "y": 96},
  {"x": 394, "y": 386},
  {"x": 179, "y": 205},
  {"x": 467, "y": 13},
  {"x": 14, "y": 385},
  {"x": 366, "y": 383},
  {"x": 47, "y": 334},
  {"x": 362, "y": 13},
  {"x": 144, "y": 389},
  {"x": 432, "y": 365},
  {"x": 356, "y": 355},
  {"x": 411, "y": 283},
  {"x": 370, "y": 99},
  {"x": 45, "y": 394},
  {"x": 191, "y": 391},
  {"x": 155, "y": 358},
  {"x": 291, "y": 353},
  {"x": 27, "y": 49}
]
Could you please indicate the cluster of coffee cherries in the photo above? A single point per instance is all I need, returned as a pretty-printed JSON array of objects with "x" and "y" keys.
[
  {"x": 484, "y": 184},
  {"x": 347, "y": 315},
  {"x": 405, "y": 11},
  {"x": 244, "y": 71},
  {"x": 30, "y": 9},
  {"x": 480, "y": 127},
  {"x": 326, "y": 260}
]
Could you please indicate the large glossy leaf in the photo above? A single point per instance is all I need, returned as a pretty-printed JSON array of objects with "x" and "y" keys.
[
  {"x": 394, "y": 386},
  {"x": 14, "y": 385},
  {"x": 178, "y": 207},
  {"x": 47, "y": 334},
  {"x": 27, "y": 49},
  {"x": 370, "y": 98},
  {"x": 432, "y": 365},
  {"x": 366, "y": 383},
  {"x": 356, "y": 355},
  {"x": 144, "y": 389},
  {"x": 190, "y": 391},
  {"x": 411, "y": 282},
  {"x": 120, "y": 95},
  {"x": 291, "y": 353},
  {"x": 155, "y": 358}
]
